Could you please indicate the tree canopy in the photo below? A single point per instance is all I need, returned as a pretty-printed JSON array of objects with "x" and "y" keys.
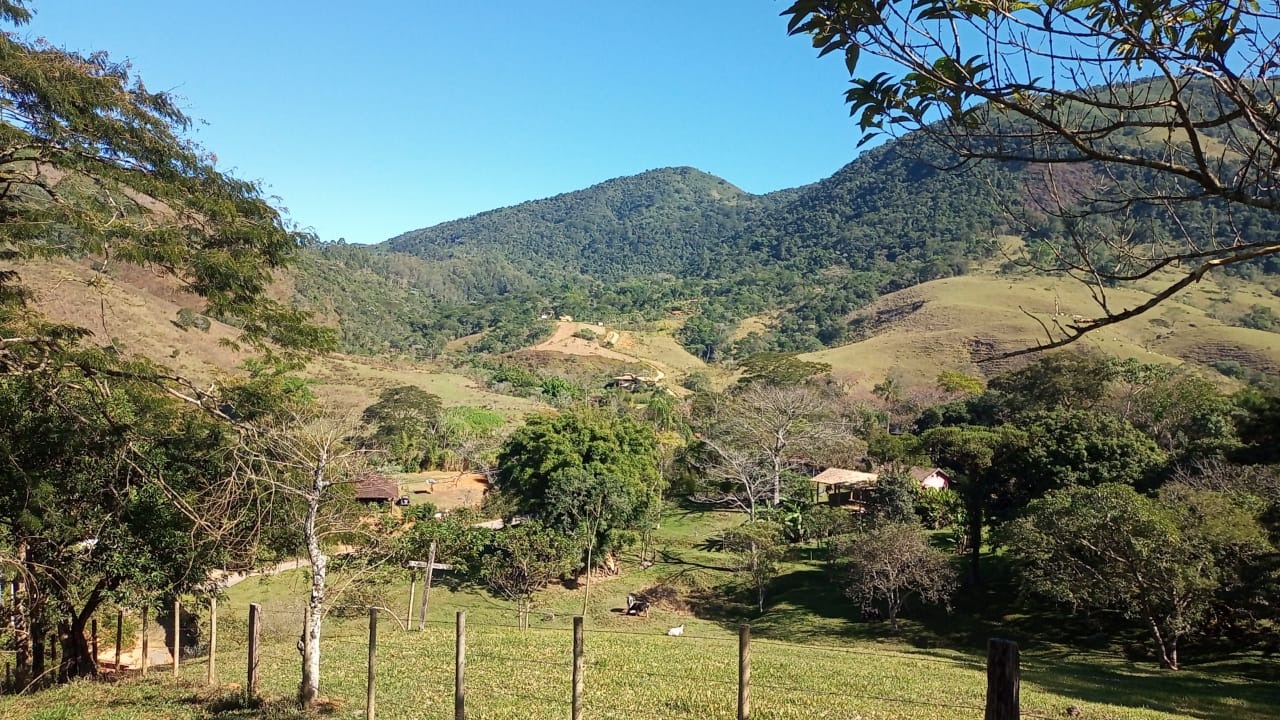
[{"x": 93, "y": 163}]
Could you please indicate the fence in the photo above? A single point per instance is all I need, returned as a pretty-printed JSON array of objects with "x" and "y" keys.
[
  {"x": 377, "y": 664},
  {"x": 391, "y": 668}
]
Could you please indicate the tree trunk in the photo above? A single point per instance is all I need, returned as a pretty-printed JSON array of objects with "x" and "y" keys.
[
  {"x": 77, "y": 656},
  {"x": 310, "y": 686},
  {"x": 975, "y": 546},
  {"x": 1168, "y": 649}
]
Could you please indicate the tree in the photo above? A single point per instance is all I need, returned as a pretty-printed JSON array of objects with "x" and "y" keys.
[
  {"x": 757, "y": 548},
  {"x": 93, "y": 163},
  {"x": 893, "y": 498},
  {"x": 308, "y": 463},
  {"x": 779, "y": 368},
  {"x": 106, "y": 494},
  {"x": 583, "y": 473},
  {"x": 1164, "y": 108},
  {"x": 976, "y": 455},
  {"x": 525, "y": 560},
  {"x": 1158, "y": 561},
  {"x": 405, "y": 420},
  {"x": 776, "y": 424},
  {"x": 891, "y": 563}
]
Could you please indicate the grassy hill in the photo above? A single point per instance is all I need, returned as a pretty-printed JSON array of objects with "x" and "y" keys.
[
  {"x": 135, "y": 310},
  {"x": 956, "y": 322}
]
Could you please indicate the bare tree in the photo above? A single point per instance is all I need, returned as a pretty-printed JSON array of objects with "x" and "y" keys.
[
  {"x": 1125, "y": 107},
  {"x": 736, "y": 478},
  {"x": 310, "y": 465},
  {"x": 780, "y": 424}
]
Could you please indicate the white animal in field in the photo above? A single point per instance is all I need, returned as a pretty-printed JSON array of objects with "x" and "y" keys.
[{"x": 676, "y": 631}]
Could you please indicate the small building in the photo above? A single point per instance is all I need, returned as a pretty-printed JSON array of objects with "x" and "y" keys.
[
  {"x": 377, "y": 488},
  {"x": 931, "y": 478},
  {"x": 841, "y": 486}
]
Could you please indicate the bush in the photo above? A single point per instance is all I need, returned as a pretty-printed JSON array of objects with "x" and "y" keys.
[
  {"x": 188, "y": 318},
  {"x": 586, "y": 334},
  {"x": 938, "y": 508},
  {"x": 1261, "y": 317}
]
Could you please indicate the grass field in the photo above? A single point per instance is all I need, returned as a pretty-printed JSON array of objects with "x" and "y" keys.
[{"x": 810, "y": 659}]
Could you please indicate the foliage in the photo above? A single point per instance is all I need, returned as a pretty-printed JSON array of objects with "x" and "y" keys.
[
  {"x": 582, "y": 473},
  {"x": 405, "y": 420},
  {"x": 779, "y": 369},
  {"x": 952, "y": 381},
  {"x": 1159, "y": 561},
  {"x": 101, "y": 499},
  {"x": 893, "y": 499},
  {"x": 97, "y": 165},
  {"x": 938, "y": 508},
  {"x": 889, "y": 564},
  {"x": 1261, "y": 317},
  {"x": 756, "y": 548},
  {"x": 1138, "y": 119},
  {"x": 525, "y": 559},
  {"x": 188, "y": 318}
]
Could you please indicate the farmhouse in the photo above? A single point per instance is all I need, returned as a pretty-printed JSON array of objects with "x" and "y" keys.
[
  {"x": 844, "y": 487},
  {"x": 931, "y": 478},
  {"x": 376, "y": 488}
]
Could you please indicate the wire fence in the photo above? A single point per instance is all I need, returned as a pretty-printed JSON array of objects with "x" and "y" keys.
[
  {"x": 543, "y": 671},
  {"x": 627, "y": 674}
]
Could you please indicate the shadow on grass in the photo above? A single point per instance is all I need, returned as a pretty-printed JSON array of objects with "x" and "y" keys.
[
  {"x": 1206, "y": 692},
  {"x": 1090, "y": 659}
]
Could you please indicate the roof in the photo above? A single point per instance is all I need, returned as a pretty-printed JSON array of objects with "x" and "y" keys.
[
  {"x": 921, "y": 474},
  {"x": 840, "y": 476},
  {"x": 374, "y": 486}
]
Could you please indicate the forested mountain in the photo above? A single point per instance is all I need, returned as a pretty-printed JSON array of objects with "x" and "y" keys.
[
  {"x": 670, "y": 221},
  {"x": 635, "y": 247}
]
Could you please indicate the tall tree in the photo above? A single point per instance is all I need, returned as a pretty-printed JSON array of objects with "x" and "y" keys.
[
  {"x": 93, "y": 163},
  {"x": 1162, "y": 105},
  {"x": 977, "y": 456},
  {"x": 582, "y": 472},
  {"x": 305, "y": 468}
]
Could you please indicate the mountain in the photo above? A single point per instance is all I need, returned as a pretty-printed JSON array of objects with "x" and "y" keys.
[
  {"x": 788, "y": 271},
  {"x": 664, "y": 221}
]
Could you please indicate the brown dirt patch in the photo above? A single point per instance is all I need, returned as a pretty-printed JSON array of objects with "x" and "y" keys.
[{"x": 447, "y": 490}]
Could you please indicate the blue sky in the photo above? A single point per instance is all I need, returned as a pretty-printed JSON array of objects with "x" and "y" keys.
[{"x": 370, "y": 119}]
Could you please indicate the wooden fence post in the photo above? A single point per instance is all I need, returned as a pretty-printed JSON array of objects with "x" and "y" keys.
[
  {"x": 119, "y": 635},
  {"x": 373, "y": 650},
  {"x": 212, "y": 677},
  {"x": 744, "y": 672},
  {"x": 255, "y": 635},
  {"x": 93, "y": 639},
  {"x": 177, "y": 635},
  {"x": 426, "y": 586},
  {"x": 413, "y": 585},
  {"x": 460, "y": 668},
  {"x": 578, "y": 666},
  {"x": 146, "y": 645},
  {"x": 1003, "y": 679}
]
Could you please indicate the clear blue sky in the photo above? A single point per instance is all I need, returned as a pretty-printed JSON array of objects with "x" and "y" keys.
[{"x": 372, "y": 118}]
